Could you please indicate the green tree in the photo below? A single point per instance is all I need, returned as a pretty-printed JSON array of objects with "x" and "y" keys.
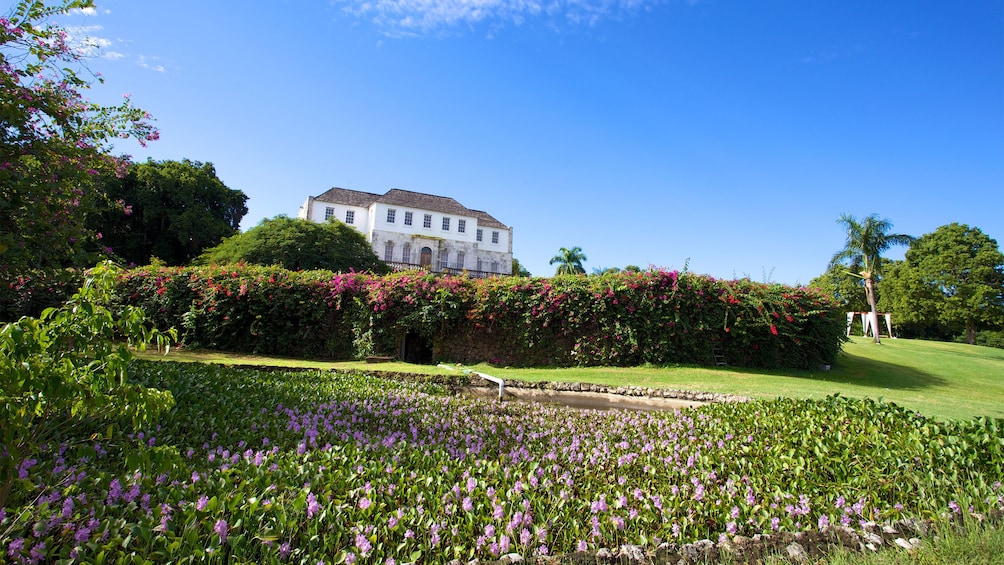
[
  {"x": 518, "y": 270},
  {"x": 913, "y": 318},
  {"x": 171, "y": 210},
  {"x": 54, "y": 143},
  {"x": 69, "y": 365},
  {"x": 862, "y": 254},
  {"x": 953, "y": 276},
  {"x": 569, "y": 261},
  {"x": 847, "y": 289},
  {"x": 299, "y": 245}
]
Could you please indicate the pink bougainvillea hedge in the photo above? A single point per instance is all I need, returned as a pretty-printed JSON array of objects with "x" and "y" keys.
[{"x": 657, "y": 316}]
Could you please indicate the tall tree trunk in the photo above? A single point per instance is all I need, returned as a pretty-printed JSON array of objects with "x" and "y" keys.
[
  {"x": 970, "y": 332},
  {"x": 873, "y": 314}
]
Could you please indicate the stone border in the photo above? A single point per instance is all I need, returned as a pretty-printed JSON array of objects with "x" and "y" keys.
[
  {"x": 632, "y": 391},
  {"x": 795, "y": 547}
]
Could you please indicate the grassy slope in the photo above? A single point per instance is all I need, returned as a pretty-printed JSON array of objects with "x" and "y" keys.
[{"x": 943, "y": 380}]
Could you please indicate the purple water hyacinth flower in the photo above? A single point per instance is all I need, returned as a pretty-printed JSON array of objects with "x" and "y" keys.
[
  {"x": 22, "y": 469},
  {"x": 312, "y": 506},
  {"x": 221, "y": 530},
  {"x": 132, "y": 494},
  {"x": 581, "y": 546},
  {"x": 37, "y": 553},
  {"x": 284, "y": 550},
  {"x": 824, "y": 522},
  {"x": 114, "y": 492},
  {"x": 731, "y": 528},
  {"x": 363, "y": 545},
  {"x": 15, "y": 547},
  {"x": 200, "y": 505}
]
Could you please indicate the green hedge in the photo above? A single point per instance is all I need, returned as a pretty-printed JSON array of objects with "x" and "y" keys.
[{"x": 654, "y": 317}]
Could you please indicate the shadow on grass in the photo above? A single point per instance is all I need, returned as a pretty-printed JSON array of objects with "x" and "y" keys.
[
  {"x": 855, "y": 370},
  {"x": 861, "y": 371}
]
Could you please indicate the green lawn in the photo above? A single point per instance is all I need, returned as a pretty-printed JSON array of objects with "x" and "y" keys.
[{"x": 943, "y": 380}]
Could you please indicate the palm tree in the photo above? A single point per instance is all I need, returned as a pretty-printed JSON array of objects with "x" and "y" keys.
[
  {"x": 866, "y": 240},
  {"x": 569, "y": 261}
]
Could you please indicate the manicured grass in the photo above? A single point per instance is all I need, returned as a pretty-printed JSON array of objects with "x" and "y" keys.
[{"x": 942, "y": 380}]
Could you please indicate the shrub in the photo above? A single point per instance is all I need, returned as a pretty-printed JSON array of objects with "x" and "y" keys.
[
  {"x": 617, "y": 319},
  {"x": 30, "y": 292}
]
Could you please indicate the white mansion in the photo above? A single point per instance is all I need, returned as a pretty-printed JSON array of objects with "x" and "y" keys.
[{"x": 412, "y": 230}]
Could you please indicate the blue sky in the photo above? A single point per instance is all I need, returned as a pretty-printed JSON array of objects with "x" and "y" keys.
[{"x": 730, "y": 133}]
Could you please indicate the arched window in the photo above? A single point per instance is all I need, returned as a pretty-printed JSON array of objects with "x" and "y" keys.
[
  {"x": 388, "y": 251},
  {"x": 459, "y": 263},
  {"x": 425, "y": 259},
  {"x": 406, "y": 253}
]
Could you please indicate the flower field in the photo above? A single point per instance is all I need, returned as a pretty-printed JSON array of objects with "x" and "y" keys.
[{"x": 308, "y": 467}]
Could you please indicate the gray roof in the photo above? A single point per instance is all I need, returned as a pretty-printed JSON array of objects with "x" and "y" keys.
[
  {"x": 398, "y": 197},
  {"x": 348, "y": 197},
  {"x": 485, "y": 219}
]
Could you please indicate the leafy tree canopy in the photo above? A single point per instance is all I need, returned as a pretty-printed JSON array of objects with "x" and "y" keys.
[
  {"x": 170, "y": 210},
  {"x": 298, "y": 245},
  {"x": 953, "y": 276},
  {"x": 569, "y": 261},
  {"x": 845, "y": 288},
  {"x": 54, "y": 143},
  {"x": 518, "y": 270}
]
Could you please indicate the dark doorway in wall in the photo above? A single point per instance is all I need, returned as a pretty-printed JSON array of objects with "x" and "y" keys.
[
  {"x": 417, "y": 349},
  {"x": 425, "y": 258}
]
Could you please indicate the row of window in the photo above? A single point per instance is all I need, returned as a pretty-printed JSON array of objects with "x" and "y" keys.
[
  {"x": 425, "y": 258},
  {"x": 350, "y": 218},
  {"x": 350, "y": 215},
  {"x": 427, "y": 223}
]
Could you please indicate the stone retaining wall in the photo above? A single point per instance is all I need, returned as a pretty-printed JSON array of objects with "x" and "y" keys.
[{"x": 796, "y": 547}]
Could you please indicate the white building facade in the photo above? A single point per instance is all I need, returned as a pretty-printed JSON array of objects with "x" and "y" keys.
[{"x": 414, "y": 230}]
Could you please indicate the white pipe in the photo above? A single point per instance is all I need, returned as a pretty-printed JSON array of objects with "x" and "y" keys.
[{"x": 490, "y": 378}]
